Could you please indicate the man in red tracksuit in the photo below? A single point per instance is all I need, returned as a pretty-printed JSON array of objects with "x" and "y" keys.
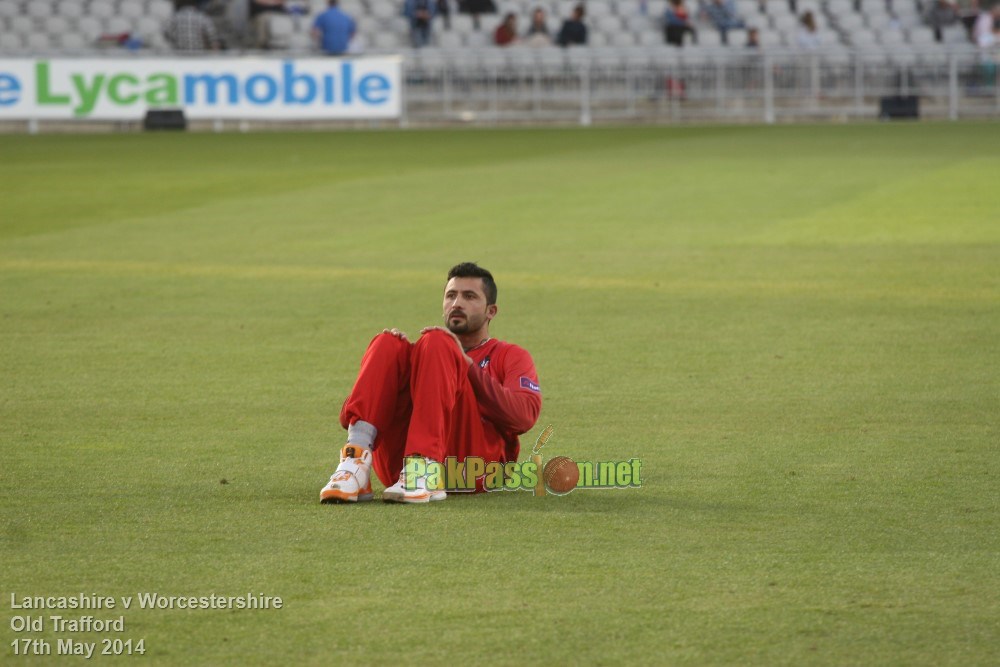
[{"x": 455, "y": 392}]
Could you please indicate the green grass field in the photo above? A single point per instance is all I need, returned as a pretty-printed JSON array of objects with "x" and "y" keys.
[{"x": 797, "y": 329}]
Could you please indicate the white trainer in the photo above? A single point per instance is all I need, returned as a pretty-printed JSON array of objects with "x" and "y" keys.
[
  {"x": 414, "y": 492},
  {"x": 352, "y": 481}
]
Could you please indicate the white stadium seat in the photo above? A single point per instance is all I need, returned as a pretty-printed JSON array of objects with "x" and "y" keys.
[
  {"x": 101, "y": 9},
  {"x": 279, "y": 29},
  {"x": 22, "y": 25},
  {"x": 70, "y": 40},
  {"x": 72, "y": 9},
  {"x": 132, "y": 9},
  {"x": 161, "y": 9},
  {"x": 57, "y": 25},
  {"x": 147, "y": 26},
  {"x": 90, "y": 27},
  {"x": 9, "y": 8},
  {"x": 10, "y": 41},
  {"x": 39, "y": 9},
  {"x": 117, "y": 25},
  {"x": 38, "y": 41}
]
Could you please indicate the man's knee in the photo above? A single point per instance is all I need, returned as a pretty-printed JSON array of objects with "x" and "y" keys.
[
  {"x": 385, "y": 345},
  {"x": 437, "y": 341}
]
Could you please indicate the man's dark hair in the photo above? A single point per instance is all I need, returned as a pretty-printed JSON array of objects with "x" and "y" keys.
[{"x": 473, "y": 270}]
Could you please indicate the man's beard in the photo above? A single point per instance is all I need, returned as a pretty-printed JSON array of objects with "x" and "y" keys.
[{"x": 459, "y": 325}]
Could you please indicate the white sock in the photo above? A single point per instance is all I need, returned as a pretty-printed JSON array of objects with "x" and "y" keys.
[{"x": 362, "y": 434}]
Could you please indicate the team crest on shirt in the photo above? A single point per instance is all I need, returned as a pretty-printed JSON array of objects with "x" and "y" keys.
[
  {"x": 526, "y": 383},
  {"x": 484, "y": 363}
]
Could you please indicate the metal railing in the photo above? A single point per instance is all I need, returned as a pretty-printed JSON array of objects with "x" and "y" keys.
[{"x": 653, "y": 86}]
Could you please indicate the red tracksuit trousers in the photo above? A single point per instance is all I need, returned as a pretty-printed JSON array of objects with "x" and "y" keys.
[{"x": 420, "y": 399}]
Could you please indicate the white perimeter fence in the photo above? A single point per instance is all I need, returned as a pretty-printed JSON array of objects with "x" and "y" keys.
[{"x": 623, "y": 86}]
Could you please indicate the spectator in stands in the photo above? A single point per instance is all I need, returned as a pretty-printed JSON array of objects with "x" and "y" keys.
[
  {"x": 985, "y": 32},
  {"x": 573, "y": 30},
  {"x": 723, "y": 15},
  {"x": 420, "y": 13},
  {"x": 538, "y": 31},
  {"x": 190, "y": 29},
  {"x": 476, "y": 7},
  {"x": 942, "y": 14},
  {"x": 676, "y": 22},
  {"x": 808, "y": 36},
  {"x": 333, "y": 29},
  {"x": 444, "y": 11},
  {"x": 506, "y": 32},
  {"x": 259, "y": 10},
  {"x": 753, "y": 38}
]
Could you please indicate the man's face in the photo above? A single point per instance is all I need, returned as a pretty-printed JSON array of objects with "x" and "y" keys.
[{"x": 465, "y": 308}]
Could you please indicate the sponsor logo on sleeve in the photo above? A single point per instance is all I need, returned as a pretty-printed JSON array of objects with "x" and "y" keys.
[{"x": 527, "y": 383}]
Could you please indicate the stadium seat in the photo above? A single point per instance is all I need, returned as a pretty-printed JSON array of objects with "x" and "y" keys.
[
  {"x": 57, "y": 25},
  {"x": 117, "y": 25},
  {"x": 132, "y": 9},
  {"x": 102, "y": 9},
  {"x": 478, "y": 40},
  {"x": 771, "y": 39},
  {"x": 709, "y": 37},
  {"x": 737, "y": 37},
  {"x": 849, "y": 22},
  {"x": 147, "y": 26},
  {"x": 650, "y": 38},
  {"x": 90, "y": 27},
  {"x": 280, "y": 28},
  {"x": 368, "y": 25},
  {"x": 70, "y": 40},
  {"x": 460, "y": 23},
  {"x": 300, "y": 41},
  {"x": 922, "y": 37},
  {"x": 37, "y": 41},
  {"x": 39, "y": 9},
  {"x": 71, "y": 9},
  {"x": 785, "y": 23},
  {"x": 384, "y": 10},
  {"x": 747, "y": 8},
  {"x": 598, "y": 39},
  {"x": 9, "y": 8},
  {"x": 22, "y": 25},
  {"x": 623, "y": 39},
  {"x": 891, "y": 37},
  {"x": 11, "y": 41},
  {"x": 447, "y": 40},
  {"x": 401, "y": 25},
  {"x": 608, "y": 23},
  {"x": 161, "y": 9},
  {"x": 386, "y": 41}
]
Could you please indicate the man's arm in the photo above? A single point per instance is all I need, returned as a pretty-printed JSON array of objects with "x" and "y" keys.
[{"x": 508, "y": 409}]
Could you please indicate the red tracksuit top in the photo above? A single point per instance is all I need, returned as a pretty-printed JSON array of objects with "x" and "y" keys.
[{"x": 505, "y": 382}]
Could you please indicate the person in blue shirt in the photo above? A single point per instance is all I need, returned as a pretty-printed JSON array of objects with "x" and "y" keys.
[
  {"x": 333, "y": 29},
  {"x": 420, "y": 13},
  {"x": 723, "y": 15}
]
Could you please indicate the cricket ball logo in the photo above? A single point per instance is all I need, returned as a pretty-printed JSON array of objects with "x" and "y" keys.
[{"x": 560, "y": 475}]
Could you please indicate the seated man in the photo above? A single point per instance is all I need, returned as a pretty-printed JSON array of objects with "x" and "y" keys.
[
  {"x": 573, "y": 30},
  {"x": 333, "y": 29},
  {"x": 259, "y": 10},
  {"x": 191, "y": 30},
  {"x": 723, "y": 15},
  {"x": 455, "y": 392}
]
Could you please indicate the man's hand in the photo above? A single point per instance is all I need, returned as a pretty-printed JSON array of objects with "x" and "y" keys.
[
  {"x": 468, "y": 359},
  {"x": 397, "y": 333}
]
